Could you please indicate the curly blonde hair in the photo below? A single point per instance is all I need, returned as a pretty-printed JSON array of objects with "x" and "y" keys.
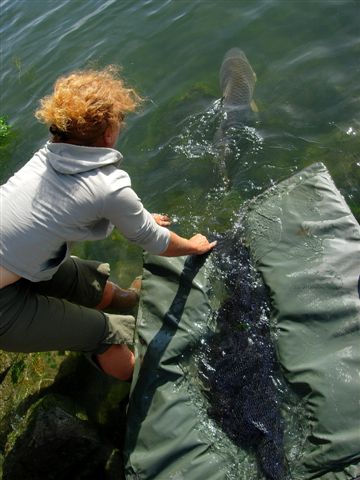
[{"x": 86, "y": 102}]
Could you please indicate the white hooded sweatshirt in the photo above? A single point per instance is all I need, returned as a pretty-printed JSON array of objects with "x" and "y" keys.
[{"x": 64, "y": 194}]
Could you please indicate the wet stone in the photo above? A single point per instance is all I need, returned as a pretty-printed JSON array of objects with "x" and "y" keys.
[
  {"x": 55, "y": 442},
  {"x": 59, "y": 418}
]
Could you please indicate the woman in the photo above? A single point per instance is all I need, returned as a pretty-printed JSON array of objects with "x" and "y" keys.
[{"x": 72, "y": 190}]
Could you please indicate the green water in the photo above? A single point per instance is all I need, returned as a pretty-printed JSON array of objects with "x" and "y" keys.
[{"x": 307, "y": 58}]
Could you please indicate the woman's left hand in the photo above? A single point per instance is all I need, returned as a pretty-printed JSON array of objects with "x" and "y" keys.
[{"x": 162, "y": 220}]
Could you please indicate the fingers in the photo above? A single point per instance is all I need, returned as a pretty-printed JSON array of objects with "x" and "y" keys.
[
  {"x": 208, "y": 246},
  {"x": 201, "y": 244}
]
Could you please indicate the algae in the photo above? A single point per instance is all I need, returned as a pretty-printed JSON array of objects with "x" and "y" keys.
[
  {"x": 171, "y": 113},
  {"x": 8, "y": 135},
  {"x": 54, "y": 379}
]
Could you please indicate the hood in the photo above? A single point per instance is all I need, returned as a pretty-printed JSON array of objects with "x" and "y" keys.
[{"x": 71, "y": 159}]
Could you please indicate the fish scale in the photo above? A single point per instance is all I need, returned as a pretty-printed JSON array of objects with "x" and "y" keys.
[
  {"x": 237, "y": 83},
  {"x": 237, "y": 79}
]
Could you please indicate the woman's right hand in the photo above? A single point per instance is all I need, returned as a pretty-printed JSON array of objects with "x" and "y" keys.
[
  {"x": 200, "y": 244},
  {"x": 196, "y": 245}
]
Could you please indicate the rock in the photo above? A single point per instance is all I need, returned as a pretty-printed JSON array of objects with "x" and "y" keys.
[
  {"x": 55, "y": 441},
  {"x": 22, "y": 378},
  {"x": 59, "y": 413}
]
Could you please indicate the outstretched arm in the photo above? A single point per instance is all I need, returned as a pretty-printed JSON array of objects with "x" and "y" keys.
[
  {"x": 124, "y": 210},
  {"x": 178, "y": 246}
]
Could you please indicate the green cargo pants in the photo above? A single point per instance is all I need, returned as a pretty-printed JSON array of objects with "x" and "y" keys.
[{"x": 59, "y": 314}]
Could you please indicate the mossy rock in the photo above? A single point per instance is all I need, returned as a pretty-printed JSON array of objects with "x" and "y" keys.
[
  {"x": 22, "y": 379},
  {"x": 55, "y": 441},
  {"x": 28, "y": 379}
]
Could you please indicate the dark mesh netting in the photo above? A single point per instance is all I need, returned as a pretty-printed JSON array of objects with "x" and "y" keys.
[{"x": 239, "y": 369}]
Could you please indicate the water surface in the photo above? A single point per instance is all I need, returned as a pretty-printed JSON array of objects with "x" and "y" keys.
[
  {"x": 307, "y": 58},
  {"x": 305, "y": 53}
]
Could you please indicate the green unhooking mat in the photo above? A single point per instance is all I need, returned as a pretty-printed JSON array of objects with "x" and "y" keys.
[
  {"x": 306, "y": 243},
  {"x": 164, "y": 440}
]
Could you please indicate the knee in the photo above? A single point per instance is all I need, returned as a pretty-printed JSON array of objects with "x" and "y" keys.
[{"x": 117, "y": 361}]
